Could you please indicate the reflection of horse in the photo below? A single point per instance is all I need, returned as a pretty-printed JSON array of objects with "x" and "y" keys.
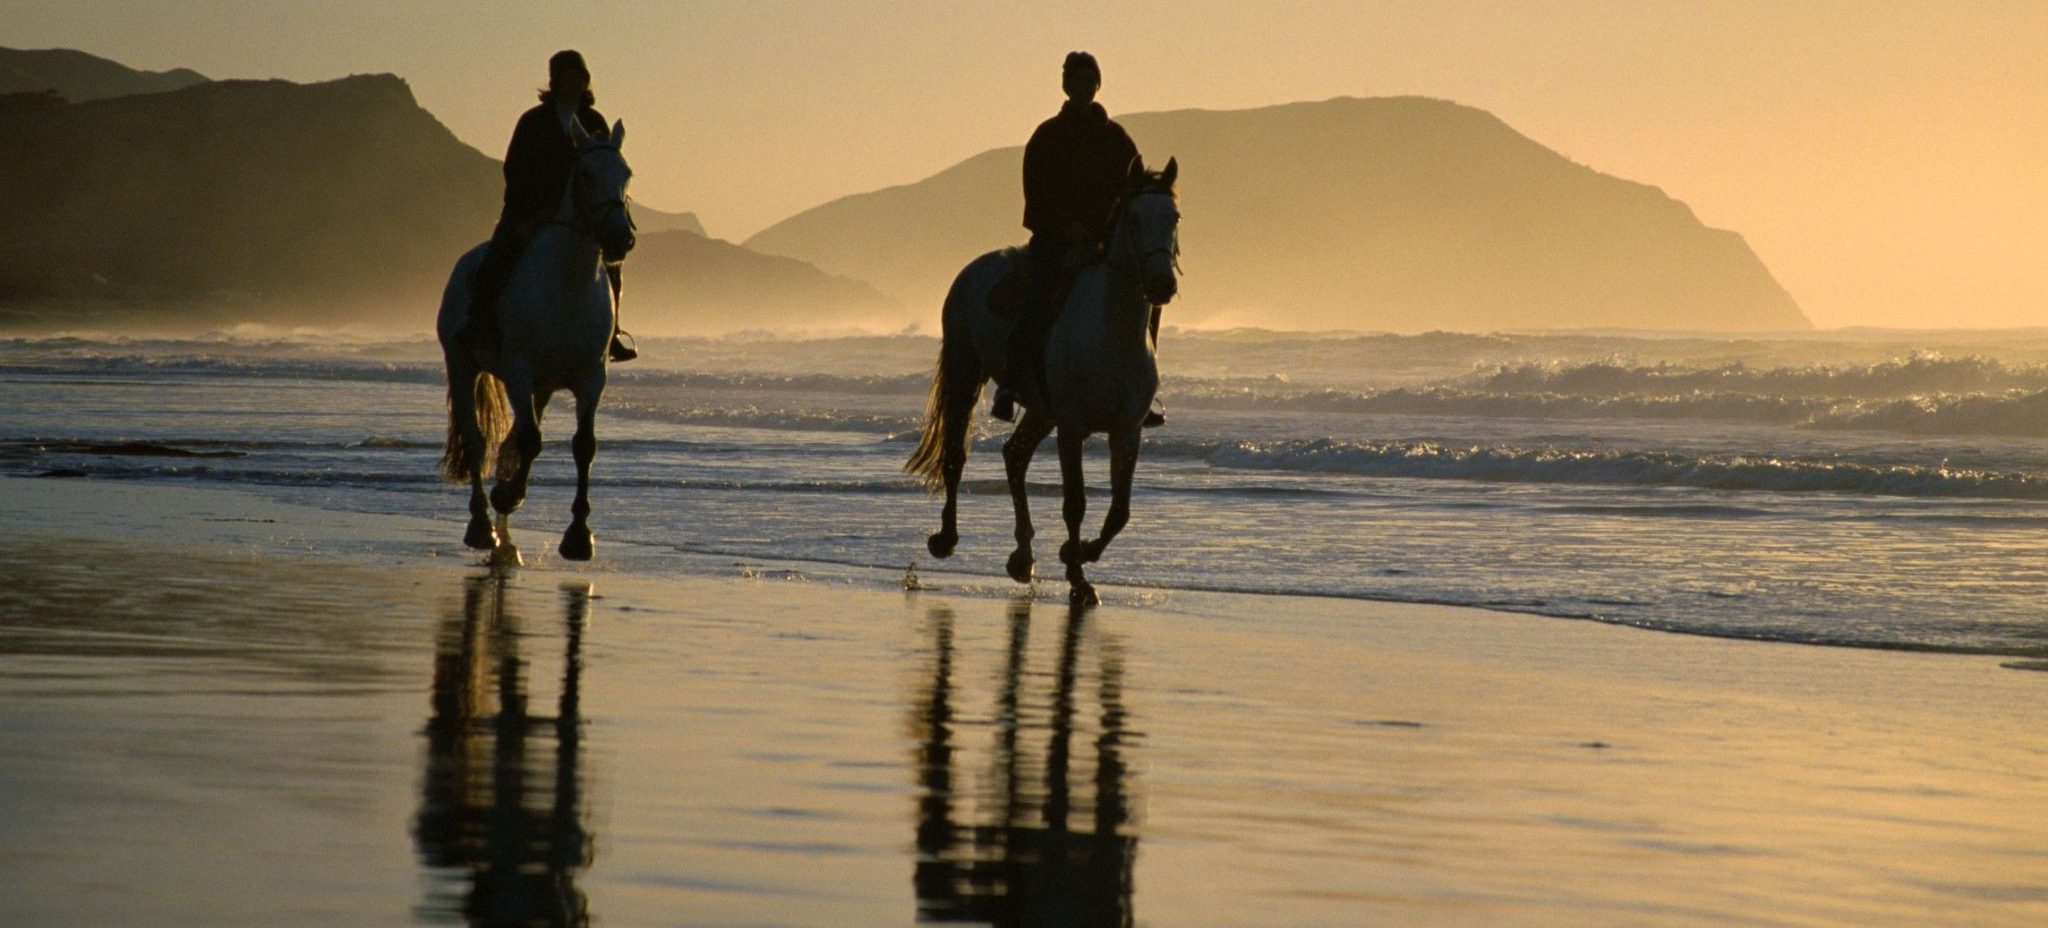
[
  {"x": 556, "y": 314},
  {"x": 503, "y": 792},
  {"x": 1099, "y": 376},
  {"x": 1021, "y": 861}
]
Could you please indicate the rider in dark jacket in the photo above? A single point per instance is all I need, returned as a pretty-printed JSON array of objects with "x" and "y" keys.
[
  {"x": 538, "y": 165},
  {"x": 1075, "y": 168}
]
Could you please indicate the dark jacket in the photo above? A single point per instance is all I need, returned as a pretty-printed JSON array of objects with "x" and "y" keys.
[
  {"x": 1075, "y": 167},
  {"x": 540, "y": 159}
]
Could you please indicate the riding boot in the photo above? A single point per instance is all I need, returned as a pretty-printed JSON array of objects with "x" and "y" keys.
[{"x": 620, "y": 351}]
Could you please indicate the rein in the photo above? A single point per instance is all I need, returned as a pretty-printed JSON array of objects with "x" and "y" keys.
[{"x": 1138, "y": 258}]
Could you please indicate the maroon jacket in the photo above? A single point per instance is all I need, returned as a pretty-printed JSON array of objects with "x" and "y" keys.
[{"x": 1075, "y": 167}]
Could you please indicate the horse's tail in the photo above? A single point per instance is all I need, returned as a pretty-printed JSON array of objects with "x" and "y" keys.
[
  {"x": 493, "y": 420},
  {"x": 928, "y": 462},
  {"x": 956, "y": 384}
]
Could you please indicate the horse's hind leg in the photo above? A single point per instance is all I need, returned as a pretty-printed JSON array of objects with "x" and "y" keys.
[
  {"x": 1017, "y": 454},
  {"x": 523, "y": 445},
  {"x": 462, "y": 410},
  {"x": 1074, "y": 489},
  {"x": 962, "y": 388},
  {"x": 1123, "y": 463},
  {"x": 577, "y": 543}
]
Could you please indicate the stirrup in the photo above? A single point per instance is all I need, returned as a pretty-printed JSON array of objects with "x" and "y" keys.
[
  {"x": 1004, "y": 407},
  {"x": 1154, "y": 417},
  {"x": 621, "y": 351}
]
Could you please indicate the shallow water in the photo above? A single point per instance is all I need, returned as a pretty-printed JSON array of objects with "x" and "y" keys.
[{"x": 1837, "y": 490}]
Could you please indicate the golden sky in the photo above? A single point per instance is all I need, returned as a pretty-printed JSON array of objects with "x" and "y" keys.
[{"x": 1888, "y": 159}]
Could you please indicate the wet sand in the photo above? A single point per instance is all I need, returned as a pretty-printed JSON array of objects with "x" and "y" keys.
[{"x": 225, "y": 710}]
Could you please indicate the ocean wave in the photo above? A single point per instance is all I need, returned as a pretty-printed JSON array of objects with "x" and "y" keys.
[
  {"x": 1506, "y": 464},
  {"x": 1916, "y": 375},
  {"x": 2018, "y": 414},
  {"x": 2014, "y": 413},
  {"x": 1453, "y": 402}
]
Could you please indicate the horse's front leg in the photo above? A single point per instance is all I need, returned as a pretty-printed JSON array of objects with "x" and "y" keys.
[
  {"x": 1017, "y": 454},
  {"x": 1123, "y": 464},
  {"x": 577, "y": 542},
  {"x": 1074, "y": 489}
]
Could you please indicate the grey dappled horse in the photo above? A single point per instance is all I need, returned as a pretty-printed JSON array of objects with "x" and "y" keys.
[
  {"x": 1099, "y": 375},
  {"x": 556, "y": 319}
]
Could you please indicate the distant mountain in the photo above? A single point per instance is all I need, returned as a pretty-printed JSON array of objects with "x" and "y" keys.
[
  {"x": 704, "y": 285},
  {"x": 78, "y": 77},
  {"x": 649, "y": 220},
  {"x": 1399, "y": 214},
  {"x": 320, "y": 203}
]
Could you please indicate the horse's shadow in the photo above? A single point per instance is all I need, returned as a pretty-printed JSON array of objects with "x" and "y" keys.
[
  {"x": 502, "y": 799},
  {"x": 1019, "y": 857}
]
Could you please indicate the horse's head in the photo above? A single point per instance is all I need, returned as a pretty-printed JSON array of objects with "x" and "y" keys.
[
  {"x": 1149, "y": 230},
  {"x": 598, "y": 190}
]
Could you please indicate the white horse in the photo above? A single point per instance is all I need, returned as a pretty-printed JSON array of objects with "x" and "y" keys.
[
  {"x": 1099, "y": 373},
  {"x": 556, "y": 317}
]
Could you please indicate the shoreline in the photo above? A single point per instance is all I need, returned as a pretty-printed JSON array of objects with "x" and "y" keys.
[{"x": 400, "y": 539}]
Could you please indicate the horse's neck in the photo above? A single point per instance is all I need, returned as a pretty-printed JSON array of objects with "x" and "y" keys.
[
  {"x": 561, "y": 242},
  {"x": 1106, "y": 301}
]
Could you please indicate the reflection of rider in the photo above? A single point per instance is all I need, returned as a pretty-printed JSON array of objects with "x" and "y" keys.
[
  {"x": 1075, "y": 168},
  {"x": 538, "y": 165},
  {"x": 1021, "y": 856}
]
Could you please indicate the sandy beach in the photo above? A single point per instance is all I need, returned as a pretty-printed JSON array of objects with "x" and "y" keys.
[{"x": 223, "y": 709}]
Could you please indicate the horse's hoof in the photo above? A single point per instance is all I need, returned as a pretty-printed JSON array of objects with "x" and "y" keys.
[
  {"x": 505, "y": 558},
  {"x": 1020, "y": 565},
  {"x": 481, "y": 535},
  {"x": 504, "y": 500},
  {"x": 578, "y": 545},
  {"x": 1083, "y": 595},
  {"x": 941, "y": 543},
  {"x": 1068, "y": 552},
  {"x": 1091, "y": 551}
]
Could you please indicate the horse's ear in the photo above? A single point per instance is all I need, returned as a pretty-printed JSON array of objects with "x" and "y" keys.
[
  {"x": 1137, "y": 173},
  {"x": 1172, "y": 170},
  {"x": 619, "y": 134}
]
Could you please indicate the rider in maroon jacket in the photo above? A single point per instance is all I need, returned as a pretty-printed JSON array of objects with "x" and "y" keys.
[
  {"x": 538, "y": 165},
  {"x": 1075, "y": 168}
]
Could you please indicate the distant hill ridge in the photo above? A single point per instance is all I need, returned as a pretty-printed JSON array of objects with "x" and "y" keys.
[
  {"x": 78, "y": 77},
  {"x": 316, "y": 203},
  {"x": 1396, "y": 213}
]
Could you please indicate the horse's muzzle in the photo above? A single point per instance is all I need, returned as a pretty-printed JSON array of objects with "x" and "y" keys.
[{"x": 1161, "y": 292}]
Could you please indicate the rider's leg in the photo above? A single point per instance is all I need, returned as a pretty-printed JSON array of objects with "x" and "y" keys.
[
  {"x": 488, "y": 282},
  {"x": 620, "y": 351},
  {"x": 1034, "y": 321},
  {"x": 1156, "y": 416}
]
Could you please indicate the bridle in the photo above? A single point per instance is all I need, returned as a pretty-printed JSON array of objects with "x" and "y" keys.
[
  {"x": 585, "y": 224},
  {"x": 1138, "y": 258}
]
